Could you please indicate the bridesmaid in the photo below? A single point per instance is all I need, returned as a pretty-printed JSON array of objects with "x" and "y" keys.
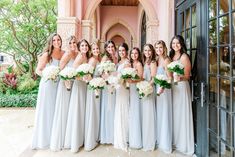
[
  {"x": 62, "y": 99},
  {"x": 164, "y": 101},
  {"x": 183, "y": 137},
  {"x": 47, "y": 94},
  {"x": 92, "y": 116},
  {"x": 74, "y": 136},
  {"x": 122, "y": 104},
  {"x": 135, "y": 118},
  {"x": 148, "y": 103},
  {"x": 107, "y": 100}
]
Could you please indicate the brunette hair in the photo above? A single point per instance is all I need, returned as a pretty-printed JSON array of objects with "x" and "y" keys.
[
  {"x": 49, "y": 46},
  {"x": 182, "y": 43},
  {"x": 139, "y": 56},
  {"x": 89, "y": 47},
  {"x": 153, "y": 56}
]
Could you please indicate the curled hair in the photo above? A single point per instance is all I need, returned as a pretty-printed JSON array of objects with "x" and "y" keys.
[
  {"x": 139, "y": 56},
  {"x": 182, "y": 44},
  {"x": 153, "y": 56},
  {"x": 106, "y": 53},
  {"x": 69, "y": 39},
  {"x": 49, "y": 46},
  {"x": 92, "y": 44},
  {"x": 161, "y": 42},
  {"x": 125, "y": 46},
  {"x": 89, "y": 47}
]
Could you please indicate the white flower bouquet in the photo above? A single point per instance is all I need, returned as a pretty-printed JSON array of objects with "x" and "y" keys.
[
  {"x": 177, "y": 68},
  {"x": 106, "y": 67},
  {"x": 96, "y": 84},
  {"x": 163, "y": 82},
  {"x": 85, "y": 69},
  {"x": 113, "y": 83},
  {"x": 129, "y": 73},
  {"x": 144, "y": 89},
  {"x": 51, "y": 73},
  {"x": 68, "y": 74}
]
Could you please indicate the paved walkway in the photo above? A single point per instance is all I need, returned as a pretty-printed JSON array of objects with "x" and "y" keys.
[{"x": 16, "y": 126}]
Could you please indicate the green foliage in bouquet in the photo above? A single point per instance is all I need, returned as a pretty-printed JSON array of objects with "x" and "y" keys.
[
  {"x": 177, "y": 70},
  {"x": 162, "y": 83}
]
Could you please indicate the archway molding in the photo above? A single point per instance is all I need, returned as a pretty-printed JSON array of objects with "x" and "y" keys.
[{"x": 148, "y": 7}]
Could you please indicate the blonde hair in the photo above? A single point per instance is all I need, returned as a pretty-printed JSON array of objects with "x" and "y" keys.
[{"x": 164, "y": 47}]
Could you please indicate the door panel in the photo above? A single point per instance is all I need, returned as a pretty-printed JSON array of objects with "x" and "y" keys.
[{"x": 189, "y": 26}]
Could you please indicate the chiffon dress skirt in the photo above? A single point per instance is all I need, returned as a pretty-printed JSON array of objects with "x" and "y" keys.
[
  {"x": 135, "y": 119},
  {"x": 107, "y": 116},
  {"x": 92, "y": 118},
  {"x": 74, "y": 136},
  {"x": 164, "y": 117},
  {"x": 121, "y": 116},
  {"x": 92, "y": 121},
  {"x": 45, "y": 111},
  {"x": 148, "y": 110},
  {"x": 60, "y": 115},
  {"x": 183, "y": 137}
]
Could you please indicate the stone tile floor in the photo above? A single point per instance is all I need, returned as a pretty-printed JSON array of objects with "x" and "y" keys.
[{"x": 16, "y": 126}]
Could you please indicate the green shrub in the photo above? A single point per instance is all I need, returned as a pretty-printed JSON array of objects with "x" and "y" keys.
[
  {"x": 18, "y": 100},
  {"x": 27, "y": 84}
]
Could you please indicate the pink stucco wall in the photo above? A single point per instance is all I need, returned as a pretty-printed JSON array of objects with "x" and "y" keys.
[
  {"x": 161, "y": 11},
  {"x": 111, "y": 15}
]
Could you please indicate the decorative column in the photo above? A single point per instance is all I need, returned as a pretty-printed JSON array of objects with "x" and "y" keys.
[
  {"x": 87, "y": 30},
  {"x": 152, "y": 31},
  {"x": 67, "y": 26}
]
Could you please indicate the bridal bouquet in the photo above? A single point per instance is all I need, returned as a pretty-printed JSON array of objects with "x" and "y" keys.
[
  {"x": 51, "y": 73},
  {"x": 96, "y": 84},
  {"x": 177, "y": 68},
  {"x": 144, "y": 89},
  {"x": 85, "y": 69},
  {"x": 67, "y": 74},
  {"x": 113, "y": 83},
  {"x": 163, "y": 82},
  {"x": 106, "y": 67},
  {"x": 129, "y": 73}
]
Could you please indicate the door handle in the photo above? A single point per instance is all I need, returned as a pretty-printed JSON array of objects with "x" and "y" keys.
[{"x": 202, "y": 94}]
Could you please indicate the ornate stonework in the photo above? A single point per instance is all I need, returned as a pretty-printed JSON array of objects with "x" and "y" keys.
[
  {"x": 67, "y": 26},
  {"x": 87, "y": 30},
  {"x": 152, "y": 31}
]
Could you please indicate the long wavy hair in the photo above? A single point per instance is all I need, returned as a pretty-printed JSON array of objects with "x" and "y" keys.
[
  {"x": 182, "y": 43},
  {"x": 153, "y": 56},
  {"x": 89, "y": 47},
  {"x": 161, "y": 42},
  {"x": 125, "y": 46},
  {"x": 49, "y": 46},
  {"x": 69, "y": 39},
  {"x": 106, "y": 53},
  {"x": 97, "y": 44},
  {"x": 139, "y": 56}
]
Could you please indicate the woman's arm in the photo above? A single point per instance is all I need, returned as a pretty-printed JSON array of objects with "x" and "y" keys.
[{"x": 42, "y": 61}]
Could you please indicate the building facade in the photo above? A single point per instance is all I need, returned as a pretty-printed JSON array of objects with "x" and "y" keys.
[{"x": 208, "y": 27}]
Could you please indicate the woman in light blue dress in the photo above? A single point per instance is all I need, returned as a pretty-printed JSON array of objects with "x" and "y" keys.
[
  {"x": 148, "y": 103},
  {"x": 163, "y": 101},
  {"x": 74, "y": 136},
  {"x": 135, "y": 115},
  {"x": 47, "y": 94},
  {"x": 121, "y": 115},
  {"x": 92, "y": 116},
  {"x": 183, "y": 136},
  {"x": 107, "y": 100},
  {"x": 62, "y": 99}
]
